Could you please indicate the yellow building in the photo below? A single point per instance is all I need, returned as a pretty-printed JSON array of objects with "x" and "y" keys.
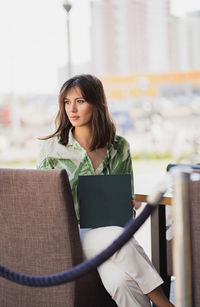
[{"x": 152, "y": 85}]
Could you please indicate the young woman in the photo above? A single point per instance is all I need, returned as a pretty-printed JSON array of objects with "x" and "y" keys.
[{"x": 85, "y": 143}]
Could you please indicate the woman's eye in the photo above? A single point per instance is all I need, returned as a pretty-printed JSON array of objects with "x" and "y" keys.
[
  {"x": 80, "y": 101},
  {"x": 67, "y": 102}
]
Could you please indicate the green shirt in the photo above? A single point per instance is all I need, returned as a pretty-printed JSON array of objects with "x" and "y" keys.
[{"x": 75, "y": 160}]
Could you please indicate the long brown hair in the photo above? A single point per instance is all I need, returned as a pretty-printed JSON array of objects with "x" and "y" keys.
[{"x": 103, "y": 129}]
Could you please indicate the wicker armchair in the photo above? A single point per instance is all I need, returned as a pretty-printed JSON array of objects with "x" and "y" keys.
[{"x": 39, "y": 236}]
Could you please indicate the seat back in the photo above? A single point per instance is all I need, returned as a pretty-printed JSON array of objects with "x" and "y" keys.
[{"x": 39, "y": 236}]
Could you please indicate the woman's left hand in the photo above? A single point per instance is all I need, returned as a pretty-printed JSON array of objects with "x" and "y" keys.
[{"x": 133, "y": 203}]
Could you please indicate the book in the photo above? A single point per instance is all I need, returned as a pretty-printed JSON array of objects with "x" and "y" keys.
[{"x": 104, "y": 200}]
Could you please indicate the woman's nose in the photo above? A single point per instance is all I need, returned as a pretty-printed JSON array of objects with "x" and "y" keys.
[{"x": 73, "y": 107}]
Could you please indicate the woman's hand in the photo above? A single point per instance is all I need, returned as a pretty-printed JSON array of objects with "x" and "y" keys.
[
  {"x": 136, "y": 205},
  {"x": 133, "y": 203}
]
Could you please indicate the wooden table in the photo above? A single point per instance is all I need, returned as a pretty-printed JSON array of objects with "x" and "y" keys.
[{"x": 158, "y": 238}]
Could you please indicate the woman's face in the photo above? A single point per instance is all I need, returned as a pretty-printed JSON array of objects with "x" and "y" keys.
[{"x": 78, "y": 110}]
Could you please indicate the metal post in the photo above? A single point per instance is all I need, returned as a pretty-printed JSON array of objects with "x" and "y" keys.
[
  {"x": 181, "y": 244},
  {"x": 67, "y": 6}
]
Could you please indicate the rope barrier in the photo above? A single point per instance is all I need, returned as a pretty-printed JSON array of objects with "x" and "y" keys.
[{"x": 87, "y": 265}]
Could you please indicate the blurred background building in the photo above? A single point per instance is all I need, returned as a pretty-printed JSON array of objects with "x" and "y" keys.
[
  {"x": 141, "y": 36},
  {"x": 125, "y": 36}
]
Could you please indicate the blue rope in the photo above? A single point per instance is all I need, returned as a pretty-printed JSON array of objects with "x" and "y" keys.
[{"x": 86, "y": 266}]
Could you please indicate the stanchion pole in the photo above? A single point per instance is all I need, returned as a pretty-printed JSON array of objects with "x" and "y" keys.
[{"x": 181, "y": 244}]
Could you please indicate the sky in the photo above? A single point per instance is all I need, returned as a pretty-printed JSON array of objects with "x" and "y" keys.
[
  {"x": 180, "y": 7},
  {"x": 33, "y": 38}
]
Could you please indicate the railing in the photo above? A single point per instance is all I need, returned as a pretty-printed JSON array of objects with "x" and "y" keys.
[
  {"x": 186, "y": 200},
  {"x": 142, "y": 198}
]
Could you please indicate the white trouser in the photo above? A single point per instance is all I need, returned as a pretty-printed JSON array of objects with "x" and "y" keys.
[{"x": 128, "y": 275}]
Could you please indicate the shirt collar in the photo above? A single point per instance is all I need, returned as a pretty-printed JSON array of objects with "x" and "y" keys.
[{"x": 72, "y": 142}]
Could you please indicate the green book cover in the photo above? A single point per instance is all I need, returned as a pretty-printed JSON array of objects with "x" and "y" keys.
[{"x": 104, "y": 200}]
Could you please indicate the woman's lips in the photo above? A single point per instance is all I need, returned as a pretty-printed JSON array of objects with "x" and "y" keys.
[{"x": 74, "y": 117}]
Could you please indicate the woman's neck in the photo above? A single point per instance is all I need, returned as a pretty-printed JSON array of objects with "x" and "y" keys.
[{"x": 83, "y": 136}]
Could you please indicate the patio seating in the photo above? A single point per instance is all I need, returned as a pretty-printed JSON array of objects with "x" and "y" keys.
[{"x": 39, "y": 236}]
